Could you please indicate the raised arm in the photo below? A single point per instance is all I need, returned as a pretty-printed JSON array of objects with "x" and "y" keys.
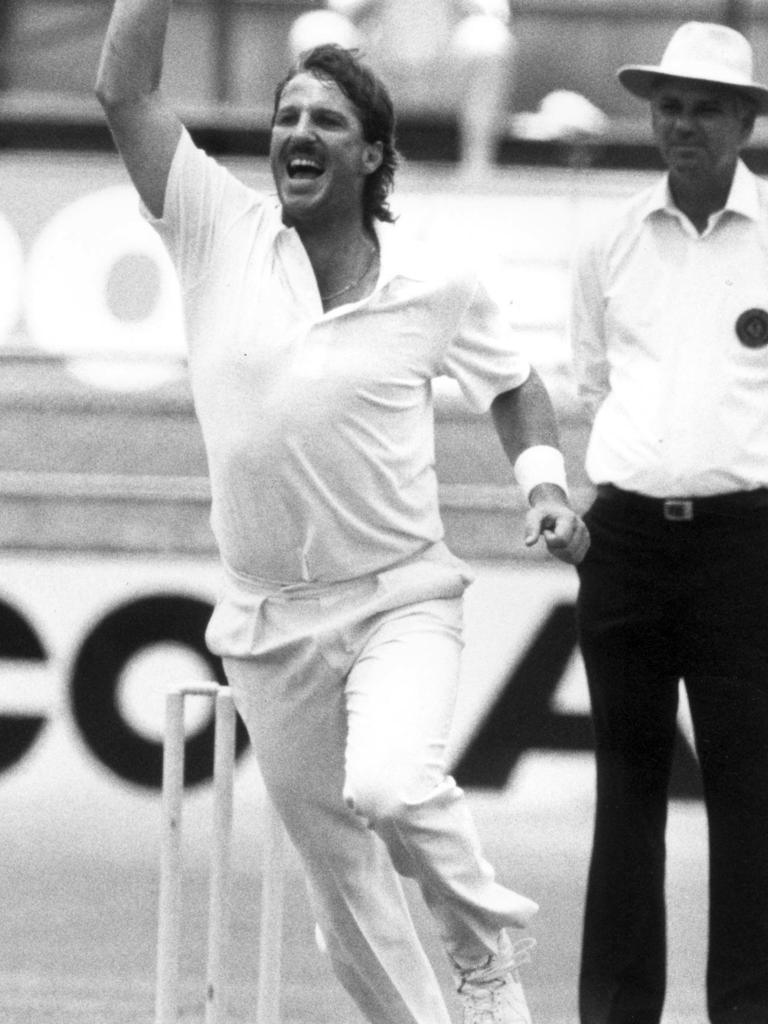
[
  {"x": 146, "y": 131},
  {"x": 527, "y": 428}
]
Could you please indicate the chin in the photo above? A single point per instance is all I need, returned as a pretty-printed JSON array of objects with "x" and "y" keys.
[
  {"x": 296, "y": 211},
  {"x": 684, "y": 165}
]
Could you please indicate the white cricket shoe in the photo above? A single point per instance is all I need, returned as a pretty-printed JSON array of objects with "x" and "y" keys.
[{"x": 492, "y": 993}]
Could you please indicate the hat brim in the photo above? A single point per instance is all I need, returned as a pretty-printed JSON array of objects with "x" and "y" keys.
[{"x": 640, "y": 80}]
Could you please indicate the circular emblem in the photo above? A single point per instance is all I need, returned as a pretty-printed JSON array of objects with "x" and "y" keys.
[{"x": 752, "y": 328}]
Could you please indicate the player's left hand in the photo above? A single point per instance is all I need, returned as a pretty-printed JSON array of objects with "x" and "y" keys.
[{"x": 563, "y": 531}]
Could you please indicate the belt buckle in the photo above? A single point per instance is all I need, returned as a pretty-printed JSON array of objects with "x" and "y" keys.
[{"x": 678, "y": 510}]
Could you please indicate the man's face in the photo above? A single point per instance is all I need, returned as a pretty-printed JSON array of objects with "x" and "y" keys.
[
  {"x": 699, "y": 128},
  {"x": 318, "y": 155}
]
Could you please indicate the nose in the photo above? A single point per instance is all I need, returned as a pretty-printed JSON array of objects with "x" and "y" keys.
[
  {"x": 303, "y": 128},
  {"x": 684, "y": 123}
]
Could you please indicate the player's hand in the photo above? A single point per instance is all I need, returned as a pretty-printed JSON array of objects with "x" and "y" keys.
[{"x": 551, "y": 518}]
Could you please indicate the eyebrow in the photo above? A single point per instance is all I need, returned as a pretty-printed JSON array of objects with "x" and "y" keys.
[
  {"x": 715, "y": 102},
  {"x": 316, "y": 108},
  {"x": 669, "y": 92}
]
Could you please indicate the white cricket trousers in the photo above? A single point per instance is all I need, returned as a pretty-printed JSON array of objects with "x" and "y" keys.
[{"x": 348, "y": 693}]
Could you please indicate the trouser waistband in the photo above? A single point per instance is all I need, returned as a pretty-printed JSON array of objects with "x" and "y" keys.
[{"x": 684, "y": 509}]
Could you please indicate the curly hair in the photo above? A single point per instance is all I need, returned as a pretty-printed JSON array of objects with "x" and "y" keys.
[{"x": 373, "y": 104}]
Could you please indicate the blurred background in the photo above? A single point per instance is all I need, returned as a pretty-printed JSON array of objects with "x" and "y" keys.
[
  {"x": 516, "y": 138},
  {"x": 225, "y": 56}
]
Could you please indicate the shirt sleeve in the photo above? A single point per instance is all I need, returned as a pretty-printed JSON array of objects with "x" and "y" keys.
[
  {"x": 587, "y": 328},
  {"x": 482, "y": 356},
  {"x": 202, "y": 201}
]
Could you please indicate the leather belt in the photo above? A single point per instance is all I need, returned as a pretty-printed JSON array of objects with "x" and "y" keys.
[{"x": 686, "y": 510}]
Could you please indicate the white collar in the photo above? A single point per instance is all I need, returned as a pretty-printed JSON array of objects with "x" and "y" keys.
[{"x": 742, "y": 199}]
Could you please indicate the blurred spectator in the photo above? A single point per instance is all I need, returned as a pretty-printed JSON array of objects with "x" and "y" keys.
[
  {"x": 483, "y": 49},
  {"x": 332, "y": 24},
  {"x": 459, "y": 50},
  {"x": 563, "y": 114}
]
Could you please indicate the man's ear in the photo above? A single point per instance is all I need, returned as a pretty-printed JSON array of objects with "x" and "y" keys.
[{"x": 373, "y": 154}]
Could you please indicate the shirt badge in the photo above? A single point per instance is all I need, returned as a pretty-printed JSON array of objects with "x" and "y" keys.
[{"x": 752, "y": 328}]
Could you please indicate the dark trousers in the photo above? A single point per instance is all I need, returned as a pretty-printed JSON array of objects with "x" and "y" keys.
[{"x": 661, "y": 601}]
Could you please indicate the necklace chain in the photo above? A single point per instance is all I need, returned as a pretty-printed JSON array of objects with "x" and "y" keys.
[{"x": 353, "y": 284}]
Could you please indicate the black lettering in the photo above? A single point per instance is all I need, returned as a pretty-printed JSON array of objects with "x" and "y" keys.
[
  {"x": 104, "y": 655},
  {"x": 18, "y": 642},
  {"x": 522, "y": 718}
]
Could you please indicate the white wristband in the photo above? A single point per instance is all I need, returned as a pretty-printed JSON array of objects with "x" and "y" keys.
[{"x": 540, "y": 464}]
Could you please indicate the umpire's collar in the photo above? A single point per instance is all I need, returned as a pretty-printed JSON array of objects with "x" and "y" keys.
[{"x": 742, "y": 199}]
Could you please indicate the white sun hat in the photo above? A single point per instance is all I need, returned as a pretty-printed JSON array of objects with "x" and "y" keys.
[{"x": 705, "y": 52}]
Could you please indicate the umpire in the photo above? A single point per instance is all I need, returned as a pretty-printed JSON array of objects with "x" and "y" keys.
[{"x": 670, "y": 335}]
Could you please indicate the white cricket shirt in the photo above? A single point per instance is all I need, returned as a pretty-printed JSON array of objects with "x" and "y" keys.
[
  {"x": 680, "y": 399},
  {"x": 319, "y": 426}
]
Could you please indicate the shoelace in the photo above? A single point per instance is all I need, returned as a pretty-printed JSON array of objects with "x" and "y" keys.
[
  {"x": 517, "y": 954},
  {"x": 483, "y": 988}
]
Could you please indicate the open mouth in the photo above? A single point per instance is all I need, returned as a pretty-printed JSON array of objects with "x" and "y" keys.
[{"x": 302, "y": 168}]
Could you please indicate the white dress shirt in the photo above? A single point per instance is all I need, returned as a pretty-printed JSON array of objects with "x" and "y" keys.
[
  {"x": 680, "y": 401},
  {"x": 319, "y": 426}
]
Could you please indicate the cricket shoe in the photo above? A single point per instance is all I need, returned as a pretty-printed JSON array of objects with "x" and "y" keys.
[{"x": 493, "y": 993}]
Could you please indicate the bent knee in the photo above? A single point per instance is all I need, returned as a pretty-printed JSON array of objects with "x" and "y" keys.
[
  {"x": 386, "y": 797},
  {"x": 374, "y": 799}
]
